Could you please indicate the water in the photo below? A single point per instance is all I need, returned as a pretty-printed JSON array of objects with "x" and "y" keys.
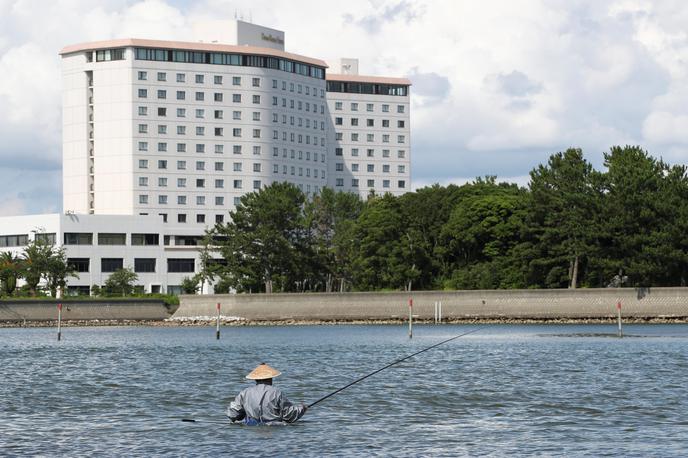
[{"x": 506, "y": 390}]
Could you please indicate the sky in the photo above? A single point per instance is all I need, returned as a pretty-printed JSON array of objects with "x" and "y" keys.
[{"x": 498, "y": 86}]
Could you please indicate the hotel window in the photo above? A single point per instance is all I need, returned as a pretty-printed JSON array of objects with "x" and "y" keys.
[
  {"x": 401, "y": 168},
  {"x": 237, "y": 184},
  {"x": 217, "y": 79},
  {"x": 354, "y": 106},
  {"x": 143, "y": 76},
  {"x": 256, "y": 150},
  {"x": 385, "y": 183},
  {"x": 236, "y": 115},
  {"x": 219, "y": 166},
  {"x": 143, "y": 128},
  {"x": 236, "y": 132},
  {"x": 181, "y": 218},
  {"x": 181, "y": 182},
  {"x": 354, "y": 152},
  {"x": 181, "y": 112},
  {"x": 111, "y": 264},
  {"x": 400, "y": 108},
  {"x": 236, "y": 98},
  {"x": 256, "y": 166},
  {"x": 385, "y": 168},
  {"x": 339, "y": 182},
  {"x": 200, "y": 165},
  {"x": 385, "y": 108},
  {"x": 256, "y": 184},
  {"x": 200, "y": 96},
  {"x": 181, "y": 165},
  {"x": 256, "y": 133},
  {"x": 219, "y": 218},
  {"x": 354, "y": 137},
  {"x": 181, "y": 77},
  {"x": 143, "y": 111},
  {"x": 401, "y": 154},
  {"x": 218, "y": 131},
  {"x": 219, "y": 184},
  {"x": 200, "y": 183},
  {"x": 236, "y": 149},
  {"x": 370, "y": 137},
  {"x": 385, "y": 138},
  {"x": 143, "y": 181},
  {"x": 162, "y": 182},
  {"x": 218, "y": 97},
  {"x": 162, "y": 76},
  {"x": 72, "y": 238},
  {"x": 162, "y": 164},
  {"x": 200, "y": 200},
  {"x": 199, "y": 79},
  {"x": 162, "y": 200},
  {"x": 385, "y": 153},
  {"x": 385, "y": 123},
  {"x": 354, "y": 182},
  {"x": 219, "y": 200},
  {"x": 181, "y": 95},
  {"x": 256, "y": 98},
  {"x": 162, "y": 129},
  {"x": 275, "y": 168},
  {"x": 370, "y": 168},
  {"x": 236, "y": 166},
  {"x": 402, "y": 183},
  {"x": 338, "y": 151},
  {"x": 143, "y": 199},
  {"x": 236, "y": 80},
  {"x": 162, "y": 112},
  {"x": 200, "y": 113},
  {"x": 370, "y": 153},
  {"x": 371, "y": 183},
  {"x": 181, "y": 200},
  {"x": 338, "y": 121},
  {"x": 143, "y": 93},
  {"x": 369, "y": 107},
  {"x": 401, "y": 138},
  {"x": 144, "y": 265},
  {"x": 143, "y": 163},
  {"x": 338, "y": 106},
  {"x": 200, "y": 130},
  {"x": 274, "y": 84},
  {"x": 218, "y": 114},
  {"x": 162, "y": 94},
  {"x": 219, "y": 149},
  {"x": 339, "y": 167},
  {"x": 143, "y": 146},
  {"x": 256, "y": 115},
  {"x": 256, "y": 82},
  {"x": 354, "y": 167},
  {"x": 370, "y": 122},
  {"x": 401, "y": 124},
  {"x": 181, "y": 130}
]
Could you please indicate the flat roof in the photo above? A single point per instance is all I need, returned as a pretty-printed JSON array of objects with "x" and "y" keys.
[
  {"x": 190, "y": 46},
  {"x": 367, "y": 79}
]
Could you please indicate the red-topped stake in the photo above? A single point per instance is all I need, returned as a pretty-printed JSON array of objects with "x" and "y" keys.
[
  {"x": 217, "y": 325},
  {"x": 59, "y": 322}
]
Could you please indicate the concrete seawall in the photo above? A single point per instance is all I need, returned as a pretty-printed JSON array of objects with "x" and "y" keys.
[
  {"x": 485, "y": 304},
  {"x": 97, "y": 309}
]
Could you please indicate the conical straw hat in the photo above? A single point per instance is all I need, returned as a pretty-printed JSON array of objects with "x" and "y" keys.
[{"x": 262, "y": 372}]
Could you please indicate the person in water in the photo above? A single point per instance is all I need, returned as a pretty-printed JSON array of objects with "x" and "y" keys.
[{"x": 262, "y": 402}]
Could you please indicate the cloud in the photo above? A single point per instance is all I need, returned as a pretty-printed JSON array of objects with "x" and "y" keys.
[{"x": 373, "y": 23}]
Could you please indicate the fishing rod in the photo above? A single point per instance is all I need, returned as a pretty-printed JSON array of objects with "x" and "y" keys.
[
  {"x": 392, "y": 364},
  {"x": 217, "y": 422}
]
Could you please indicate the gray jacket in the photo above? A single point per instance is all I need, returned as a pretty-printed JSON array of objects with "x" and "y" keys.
[{"x": 264, "y": 403}]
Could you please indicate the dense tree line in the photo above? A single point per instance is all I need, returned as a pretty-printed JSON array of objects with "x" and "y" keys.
[{"x": 573, "y": 226}]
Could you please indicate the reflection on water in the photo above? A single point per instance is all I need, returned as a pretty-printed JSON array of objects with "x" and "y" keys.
[{"x": 537, "y": 389}]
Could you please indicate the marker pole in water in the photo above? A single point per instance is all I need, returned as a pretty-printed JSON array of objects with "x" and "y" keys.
[
  {"x": 618, "y": 310},
  {"x": 59, "y": 322},
  {"x": 435, "y": 312},
  {"x": 439, "y": 312},
  {"x": 410, "y": 318},
  {"x": 217, "y": 325}
]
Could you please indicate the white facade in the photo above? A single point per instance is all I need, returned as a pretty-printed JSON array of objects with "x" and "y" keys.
[{"x": 161, "y": 254}]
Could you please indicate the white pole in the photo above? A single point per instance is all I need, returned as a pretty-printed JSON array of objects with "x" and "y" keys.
[
  {"x": 440, "y": 311},
  {"x": 435, "y": 312},
  {"x": 410, "y": 318},
  {"x": 217, "y": 326},
  {"x": 618, "y": 309},
  {"x": 59, "y": 322}
]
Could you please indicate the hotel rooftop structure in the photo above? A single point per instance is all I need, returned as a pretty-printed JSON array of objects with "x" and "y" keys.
[{"x": 169, "y": 135}]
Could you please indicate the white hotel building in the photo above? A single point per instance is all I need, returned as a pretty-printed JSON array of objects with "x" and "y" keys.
[{"x": 169, "y": 135}]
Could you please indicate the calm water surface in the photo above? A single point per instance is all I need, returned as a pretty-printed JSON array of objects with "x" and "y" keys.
[{"x": 505, "y": 390}]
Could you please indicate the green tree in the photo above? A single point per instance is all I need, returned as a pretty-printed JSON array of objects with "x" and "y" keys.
[
  {"x": 58, "y": 270},
  {"x": 10, "y": 270},
  {"x": 120, "y": 283},
  {"x": 189, "y": 285},
  {"x": 36, "y": 260}
]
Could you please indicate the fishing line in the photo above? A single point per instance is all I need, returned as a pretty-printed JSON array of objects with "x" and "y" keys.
[{"x": 392, "y": 364}]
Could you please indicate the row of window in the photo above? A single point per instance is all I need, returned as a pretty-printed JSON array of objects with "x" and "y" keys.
[
  {"x": 401, "y": 184},
  {"x": 199, "y": 78},
  {"x": 141, "y": 265},
  {"x": 218, "y": 58},
  {"x": 200, "y": 200},
  {"x": 339, "y": 167},
  {"x": 367, "y": 88},
  {"x": 338, "y": 121},
  {"x": 338, "y": 106},
  {"x": 370, "y": 152},
  {"x": 355, "y": 136},
  {"x": 107, "y": 238}
]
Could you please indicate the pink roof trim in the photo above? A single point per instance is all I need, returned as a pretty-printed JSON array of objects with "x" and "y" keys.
[
  {"x": 367, "y": 79},
  {"x": 190, "y": 46}
]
